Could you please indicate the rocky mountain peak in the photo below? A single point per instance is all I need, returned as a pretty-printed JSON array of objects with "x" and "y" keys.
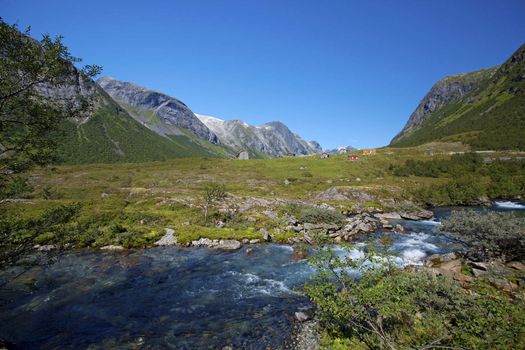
[{"x": 173, "y": 114}]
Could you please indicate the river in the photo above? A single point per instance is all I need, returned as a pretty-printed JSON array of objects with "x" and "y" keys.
[{"x": 180, "y": 298}]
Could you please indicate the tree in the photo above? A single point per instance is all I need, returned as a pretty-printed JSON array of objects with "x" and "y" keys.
[
  {"x": 30, "y": 118},
  {"x": 213, "y": 193}
]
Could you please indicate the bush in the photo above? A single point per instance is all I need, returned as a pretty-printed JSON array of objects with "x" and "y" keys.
[
  {"x": 489, "y": 235},
  {"x": 387, "y": 308},
  {"x": 316, "y": 215}
]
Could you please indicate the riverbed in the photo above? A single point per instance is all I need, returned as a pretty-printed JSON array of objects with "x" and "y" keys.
[{"x": 180, "y": 298}]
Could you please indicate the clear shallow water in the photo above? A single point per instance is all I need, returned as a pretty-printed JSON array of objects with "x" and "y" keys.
[{"x": 175, "y": 298}]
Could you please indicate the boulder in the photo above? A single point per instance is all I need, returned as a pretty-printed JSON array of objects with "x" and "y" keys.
[
  {"x": 266, "y": 236},
  {"x": 45, "y": 247},
  {"x": 516, "y": 265},
  {"x": 399, "y": 228},
  {"x": 438, "y": 259},
  {"x": 228, "y": 244},
  {"x": 301, "y": 316},
  {"x": 418, "y": 215},
  {"x": 392, "y": 215},
  {"x": 479, "y": 266},
  {"x": 202, "y": 242},
  {"x": 112, "y": 247},
  {"x": 168, "y": 238},
  {"x": 254, "y": 241}
]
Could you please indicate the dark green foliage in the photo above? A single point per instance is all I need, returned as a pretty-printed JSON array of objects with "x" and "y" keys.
[
  {"x": 29, "y": 122},
  {"x": 387, "y": 308},
  {"x": 458, "y": 164},
  {"x": 111, "y": 135},
  {"x": 488, "y": 236},
  {"x": 470, "y": 179},
  {"x": 17, "y": 235},
  {"x": 316, "y": 215}
]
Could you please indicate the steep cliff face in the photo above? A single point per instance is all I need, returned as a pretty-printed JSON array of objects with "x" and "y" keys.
[
  {"x": 445, "y": 91},
  {"x": 159, "y": 112},
  {"x": 483, "y": 109},
  {"x": 273, "y": 139}
]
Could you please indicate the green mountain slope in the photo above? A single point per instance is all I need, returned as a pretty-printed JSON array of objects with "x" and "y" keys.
[
  {"x": 111, "y": 135},
  {"x": 484, "y": 109}
]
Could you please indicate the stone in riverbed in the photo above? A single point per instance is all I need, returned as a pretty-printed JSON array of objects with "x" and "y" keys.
[
  {"x": 45, "y": 248},
  {"x": 418, "y": 215},
  {"x": 228, "y": 244},
  {"x": 392, "y": 215},
  {"x": 301, "y": 316},
  {"x": 254, "y": 241},
  {"x": 112, "y": 247}
]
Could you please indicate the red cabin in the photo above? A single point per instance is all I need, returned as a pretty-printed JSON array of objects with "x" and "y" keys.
[{"x": 353, "y": 157}]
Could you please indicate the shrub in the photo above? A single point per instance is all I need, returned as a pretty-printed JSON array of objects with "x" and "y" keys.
[
  {"x": 316, "y": 215},
  {"x": 387, "y": 308},
  {"x": 488, "y": 235}
]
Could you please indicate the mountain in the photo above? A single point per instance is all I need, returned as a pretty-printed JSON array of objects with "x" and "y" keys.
[
  {"x": 109, "y": 134},
  {"x": 159, "y": 112},
  {"x": 273, "y": 139},
  {"x": 341, "y": 150},
  {"x": 484, "y": 109}
]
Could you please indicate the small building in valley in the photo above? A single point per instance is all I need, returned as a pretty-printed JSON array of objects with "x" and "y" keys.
[
  {"x": 369, "y": 152},
  {"x": 325, "y": 155}
]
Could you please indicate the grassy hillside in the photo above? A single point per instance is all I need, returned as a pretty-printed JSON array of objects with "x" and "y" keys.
[
  {"x": 492, "y": 116},
  {"x": 111, "y": 136}
]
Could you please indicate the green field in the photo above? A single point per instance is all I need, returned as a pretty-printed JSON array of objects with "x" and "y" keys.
[{"x": 132, "y": 203}]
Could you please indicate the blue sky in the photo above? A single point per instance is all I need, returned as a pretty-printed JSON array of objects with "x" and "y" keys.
[{"x": 340, "y": 72}]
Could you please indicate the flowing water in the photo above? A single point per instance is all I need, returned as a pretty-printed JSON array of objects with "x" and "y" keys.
[{"x": 181, "y": 298}]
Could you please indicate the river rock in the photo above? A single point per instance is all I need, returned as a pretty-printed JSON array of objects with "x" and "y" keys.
[
  {"x": 202, "y": 242},
  {"x": 45, "y": 247},
  {"x": 301, "y": 316},
  {"x": 418, "y": 215},
  {"x": 112, "y": 247},
  {"x": 399, "y": 228},
  {"x": 254, "y": 241},
  {"x": 168, "y": 238},
  {"x": 265, "y": 234},
  {"x": 228, "y": 244},
  {"x": 392, "y": 215}
]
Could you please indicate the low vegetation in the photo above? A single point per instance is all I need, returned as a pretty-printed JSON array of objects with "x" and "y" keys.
[
  {"x": 472, "y": 179},
  {"x": 488, "y": 236},
  {"x": 388, "y": 308}
]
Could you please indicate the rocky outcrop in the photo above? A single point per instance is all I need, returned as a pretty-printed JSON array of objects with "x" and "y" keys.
[{"x": 173, "y": 115}]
